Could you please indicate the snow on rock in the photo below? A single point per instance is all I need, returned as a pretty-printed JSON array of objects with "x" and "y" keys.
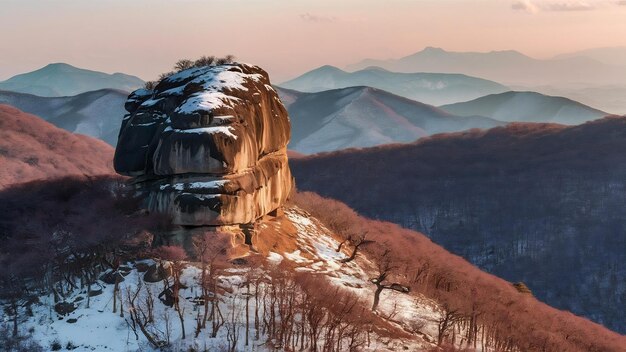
[{"x": 222, "y": 121}]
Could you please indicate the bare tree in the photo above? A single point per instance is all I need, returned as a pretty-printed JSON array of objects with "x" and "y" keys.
[
  {"x": 228, "y": 59},
  {"x": 183, "y": 64},
  {"x": 175, "y": 255},
  {"x": 165, "y": 75},
  {"x": 446, "y": 322},
  {"x": 140, "y": 316},
  {"x": 150, "y": 85},
  {"x": 386, "y": 265},
  {"x": 356, "y": 242},
  {"x": 204, "y": 61}
]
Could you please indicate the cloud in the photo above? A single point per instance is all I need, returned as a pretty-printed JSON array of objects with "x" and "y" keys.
[
  {"x": 534, "y": 6},
  {"x": 308, "y": 17},
  {"x": 525, "y": 5}
]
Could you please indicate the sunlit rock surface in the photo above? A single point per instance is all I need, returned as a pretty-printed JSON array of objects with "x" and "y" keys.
[{"x": 208, "y": 145}]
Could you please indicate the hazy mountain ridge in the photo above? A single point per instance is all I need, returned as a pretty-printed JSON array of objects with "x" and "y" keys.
[
  {"x": 604, "y": 97},
  {"x": 32, "y": 149},
  {"x": 97, "y": 113},
  {"x": 429, "y": 88},
  {"x": 508, "y": 67},
  {"x": 526, "y": 107},
  {"x": 615, "y": 56},
  {"x": 538, "y": 203},
  {"x": 60, "y": 79},
  {"x": 363, "y": 117}
]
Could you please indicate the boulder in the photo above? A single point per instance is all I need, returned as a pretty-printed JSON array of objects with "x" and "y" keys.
[
  {"x": 111, "y": 277},
  {"x": 156, "y": 273},
  {"x": 95, "y": 290},
  {"x": 64, "y": 308},
  {"x": 208, "y": 146}
]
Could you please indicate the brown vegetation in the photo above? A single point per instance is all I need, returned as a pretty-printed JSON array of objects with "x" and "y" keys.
[
  {"x": 478, "y": 309},
  {"x": 31, "y": 148},
  {"x": 89, "y": 219},
  {"x": 61, "y": 235},
  {"x": 537, "y": 203},
  {"x": 185, "y": 64}
]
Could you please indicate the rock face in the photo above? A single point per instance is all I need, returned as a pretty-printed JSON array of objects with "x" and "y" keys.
[{"x": 208, "y": 145}]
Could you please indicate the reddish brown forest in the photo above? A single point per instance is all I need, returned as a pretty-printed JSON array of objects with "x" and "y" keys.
[
  {"x": 538, "y": 203},
  {"x": 489, "y": 310}
]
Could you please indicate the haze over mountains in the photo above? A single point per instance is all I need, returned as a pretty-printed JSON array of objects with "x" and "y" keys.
[
  {"x": 526, "y": 107},
  {"x": 532, "y": 202},
  {"x": 60, "y": 79},
  {"x": 538, "y": 203},
  {"x": 31, "y": 149},
  {"x": 508, "y": 67},
  {"x": 363, "y": 117},
  {"x": 615, "y": 56},
  {"x": 327, "y": 120},
  {"x": 428, "y": 88},
  {"x": 96, "y": 113},
  {"x": 610, "y": 98}
]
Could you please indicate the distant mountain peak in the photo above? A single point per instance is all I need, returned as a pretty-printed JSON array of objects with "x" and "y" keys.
[
  {"x": 58, "y": 65},
  {"x": 433, "y": 50},
  {"x": 62, "y": 79},
  {"x": 512, "y": 67},
  {"x": 427, "y": 87},
  {"x": 436, "y": 50},
  {"x": 328, "y": 68},
  {"x": 375, "y": 68},
  {"x": 526, "y": 106}
]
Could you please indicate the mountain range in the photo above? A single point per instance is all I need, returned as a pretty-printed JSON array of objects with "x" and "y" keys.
[
  {"x": 333, "y": 119},
  {"x": 610, "y": 55},
  {"x": 538, "y": 203},
  {"x": 364, "y": 116},
  {"x": 428, "y": 88},
  {"x": 96, "y": 113},
  {"x": 61, "y": 79},
  {"x": 526, "y": 107},
  {"x": 297, "y": 254},
  {"x": 33, "y": 149},
  {"x": 508, "y": 67}
]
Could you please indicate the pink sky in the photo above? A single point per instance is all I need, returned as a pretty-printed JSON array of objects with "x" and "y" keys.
[{"x": 145, "y": 37}]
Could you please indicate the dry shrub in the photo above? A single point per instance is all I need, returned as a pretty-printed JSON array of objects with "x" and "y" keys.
[{"x": 510, "y": 320}]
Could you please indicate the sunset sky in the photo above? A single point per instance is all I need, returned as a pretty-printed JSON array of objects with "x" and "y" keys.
[{"x": 144, "y": 37}]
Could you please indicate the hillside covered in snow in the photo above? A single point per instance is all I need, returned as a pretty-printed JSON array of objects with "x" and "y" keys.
[{"x": 309, "y": 282}]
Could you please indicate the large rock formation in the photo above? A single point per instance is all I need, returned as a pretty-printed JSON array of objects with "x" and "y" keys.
[{"x": 208, "y": 145}]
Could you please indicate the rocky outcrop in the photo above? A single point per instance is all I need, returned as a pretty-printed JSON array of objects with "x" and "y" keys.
[{"x": 208, "y": 145}]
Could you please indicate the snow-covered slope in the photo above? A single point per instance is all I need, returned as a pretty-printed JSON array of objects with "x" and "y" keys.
[
  {"x": 292, "y": 289},
  {"x": 365, "y": 117},
  {"x": 527, "y": 107},
  {"x": 60, "y": 79},
  {"x": 97, "y": 114},
  {"x": 298, "y": 242},
  {"x": 429, "y": 88}
]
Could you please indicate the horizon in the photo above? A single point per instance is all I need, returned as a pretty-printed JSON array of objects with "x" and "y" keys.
[
  {"x": 144, "y": 38},
  {"x": 343, "y": 68}
]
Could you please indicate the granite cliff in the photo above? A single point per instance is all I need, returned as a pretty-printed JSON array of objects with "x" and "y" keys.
[{"x": 207, "y": 145}]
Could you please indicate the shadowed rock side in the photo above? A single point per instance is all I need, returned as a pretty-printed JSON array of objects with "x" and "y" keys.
[{"x": 208, "y": 145}]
